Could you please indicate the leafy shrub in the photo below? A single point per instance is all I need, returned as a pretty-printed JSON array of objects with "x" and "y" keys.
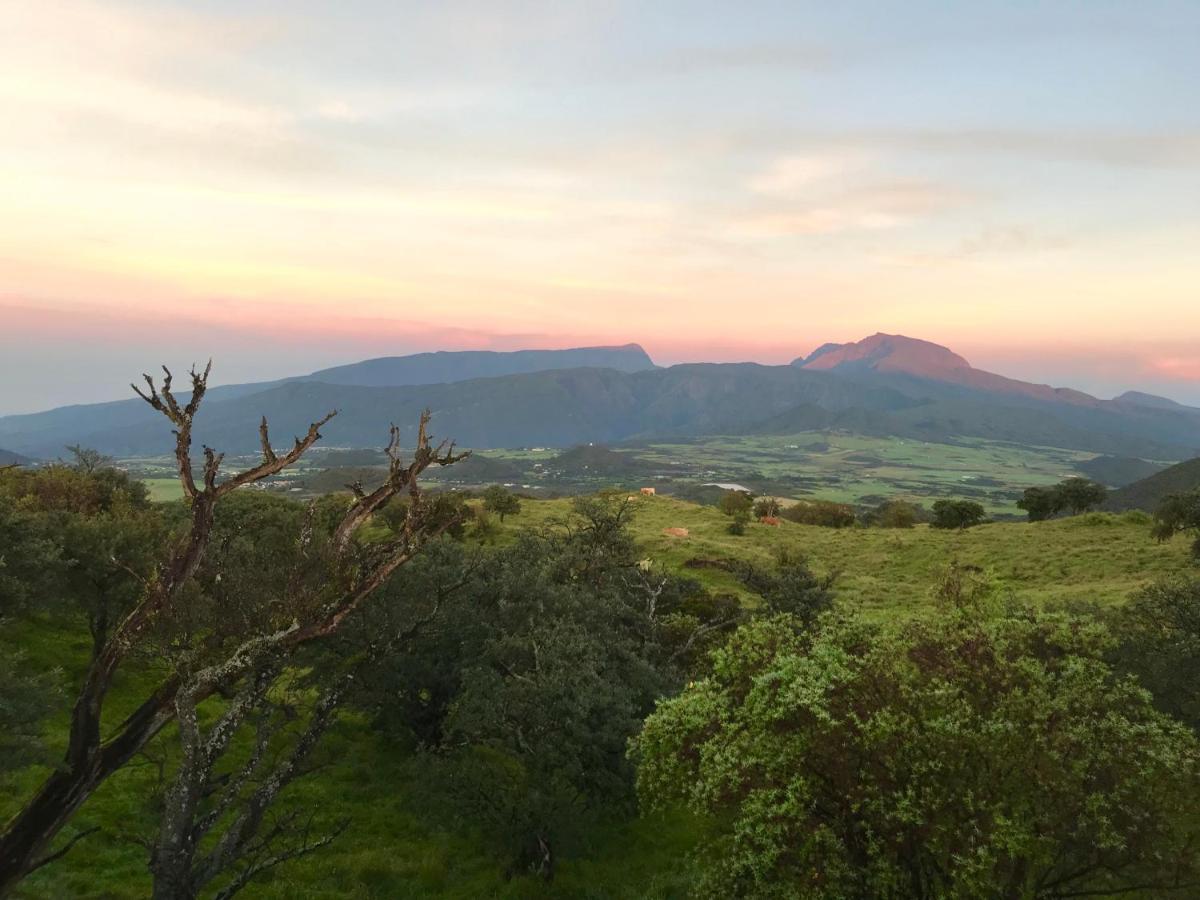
[
  {"x": 825, "y": 513},
  {"x": 1179, "y": 513},
  {"x": 958, "y": 755},
  {"x": 896, "y": 514},
  {"x": 957, "y": 514},
  {"x": 766, "y": 508}
]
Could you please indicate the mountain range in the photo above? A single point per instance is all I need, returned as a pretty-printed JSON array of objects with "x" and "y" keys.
[{"x": 882, "y": 385}]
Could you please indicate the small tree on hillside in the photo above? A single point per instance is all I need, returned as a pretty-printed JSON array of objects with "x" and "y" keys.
[
  {"x": 734, "y": 502},
  {"x": 87, "y": 460},
  {"x": 958, "y": 514},
  {"x": 738, "y": 506},
  {"x": 1176, "y": 514},
  {"x": 897, "y": 514},
  {"x": 1080, "y": 495},
  {"x": 825, "y": 513},
  {"x": 501, "y": 502},
  {"x": 766, "y": 507},
  {"x": 1041, "y": 503}
]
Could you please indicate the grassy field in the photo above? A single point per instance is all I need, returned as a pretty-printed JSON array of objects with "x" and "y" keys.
[
  {"x": 392, "y": 850},
  {"x": 1096, "y": 557},
  {"x": 163, "y": 489}
]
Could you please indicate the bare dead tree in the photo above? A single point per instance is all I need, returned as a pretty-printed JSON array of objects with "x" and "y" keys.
[{"x": 92, "y": 756}]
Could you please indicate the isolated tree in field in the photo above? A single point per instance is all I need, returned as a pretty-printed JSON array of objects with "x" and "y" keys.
[
  {"x": 958, "y": 514},
  {"x": 1080, "y": 495},
  {"x": 825, "y": 513},
  {"x": 955, "y": 756},
  {"x": 766, "y": 507},
  {"x": 738, "y": 506},
  {"x": 734, "y": 502},
  {"x": 1179, "y": 513},
  {"x": 498, "y": 500},
  {"x": 217, "y": 655},
  {"x": 87, "y": 460},
  {"x": 896, "y": 514},
  {"x": 1041, "y": 503}
]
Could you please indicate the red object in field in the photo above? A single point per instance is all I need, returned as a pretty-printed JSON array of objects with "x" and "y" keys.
[{"x": 770, "y": 520}]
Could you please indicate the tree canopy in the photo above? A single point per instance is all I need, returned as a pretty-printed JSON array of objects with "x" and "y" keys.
[
  {"x": 956, "y": 756},
  {"x": 957, "y": 514}
]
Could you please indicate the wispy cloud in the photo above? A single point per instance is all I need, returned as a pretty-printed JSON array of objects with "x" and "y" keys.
[
  {"x": 870, "y": 207},
  {"x": 789, "y": 174}
]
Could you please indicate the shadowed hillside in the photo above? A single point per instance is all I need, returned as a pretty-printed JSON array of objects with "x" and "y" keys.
[{"x": 1149, "y": 492}]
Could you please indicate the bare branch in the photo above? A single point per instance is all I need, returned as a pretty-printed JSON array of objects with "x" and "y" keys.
[
  {"x": 401, "y": 477},
  {"x": 274, "y": 464},
  {"x": 64, "y": 850},
  {"x": 181, "y": 417},
  {"x": 257, "y": 868},
  {"x": 268, "y": 454}
]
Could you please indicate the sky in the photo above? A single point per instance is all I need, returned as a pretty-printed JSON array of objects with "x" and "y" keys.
[{"x": 284, "y": 186}]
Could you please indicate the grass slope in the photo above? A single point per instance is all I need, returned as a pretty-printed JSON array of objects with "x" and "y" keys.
[{"x": 1097, "y": 557}]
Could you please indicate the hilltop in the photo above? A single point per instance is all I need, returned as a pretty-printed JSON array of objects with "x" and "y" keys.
[
  {"x": 444, "y": 367},
  {"x": 898, "y": 354}
]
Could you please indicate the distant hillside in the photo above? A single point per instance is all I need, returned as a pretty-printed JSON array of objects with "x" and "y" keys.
[
  {"x": 478, "y": 469},
  {"x": 558, "y": 408},
  {"x": 1118, "y": 471},
  {"x": 51, "y": 430},
  {"x": 445, "y": 367},
  {"x": 8, "y": 458},
  {"x": 1149, "y": 492},
  {"x": 1137, "y": 398},
  {"x": 883, "y": 386},
  {"x": 563, "y": 408}
]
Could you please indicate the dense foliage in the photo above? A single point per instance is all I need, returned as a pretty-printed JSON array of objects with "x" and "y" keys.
[
  {"x": 958, "y": 755},
  {"x": 498, "y": 500},
  {"x": 1160, "y": 642},
  {"x": 1078, "y": 495},
  {"x": 539, "y": 662},
  {"x": 957, "y": 514},
  {"x": 825, "y": 513}
]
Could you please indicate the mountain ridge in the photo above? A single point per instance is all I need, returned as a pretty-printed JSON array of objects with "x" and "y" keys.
[{"x": 884, "y": 385}]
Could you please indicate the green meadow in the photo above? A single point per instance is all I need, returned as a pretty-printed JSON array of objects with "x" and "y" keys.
[{"x": 1097, "y": 557}]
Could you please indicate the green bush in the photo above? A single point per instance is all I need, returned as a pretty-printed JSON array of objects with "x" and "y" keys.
[
  {"x": 820, "y": 512},
  {"x": 958, "y": 514},
  {"x": 959, "y": 755}
]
